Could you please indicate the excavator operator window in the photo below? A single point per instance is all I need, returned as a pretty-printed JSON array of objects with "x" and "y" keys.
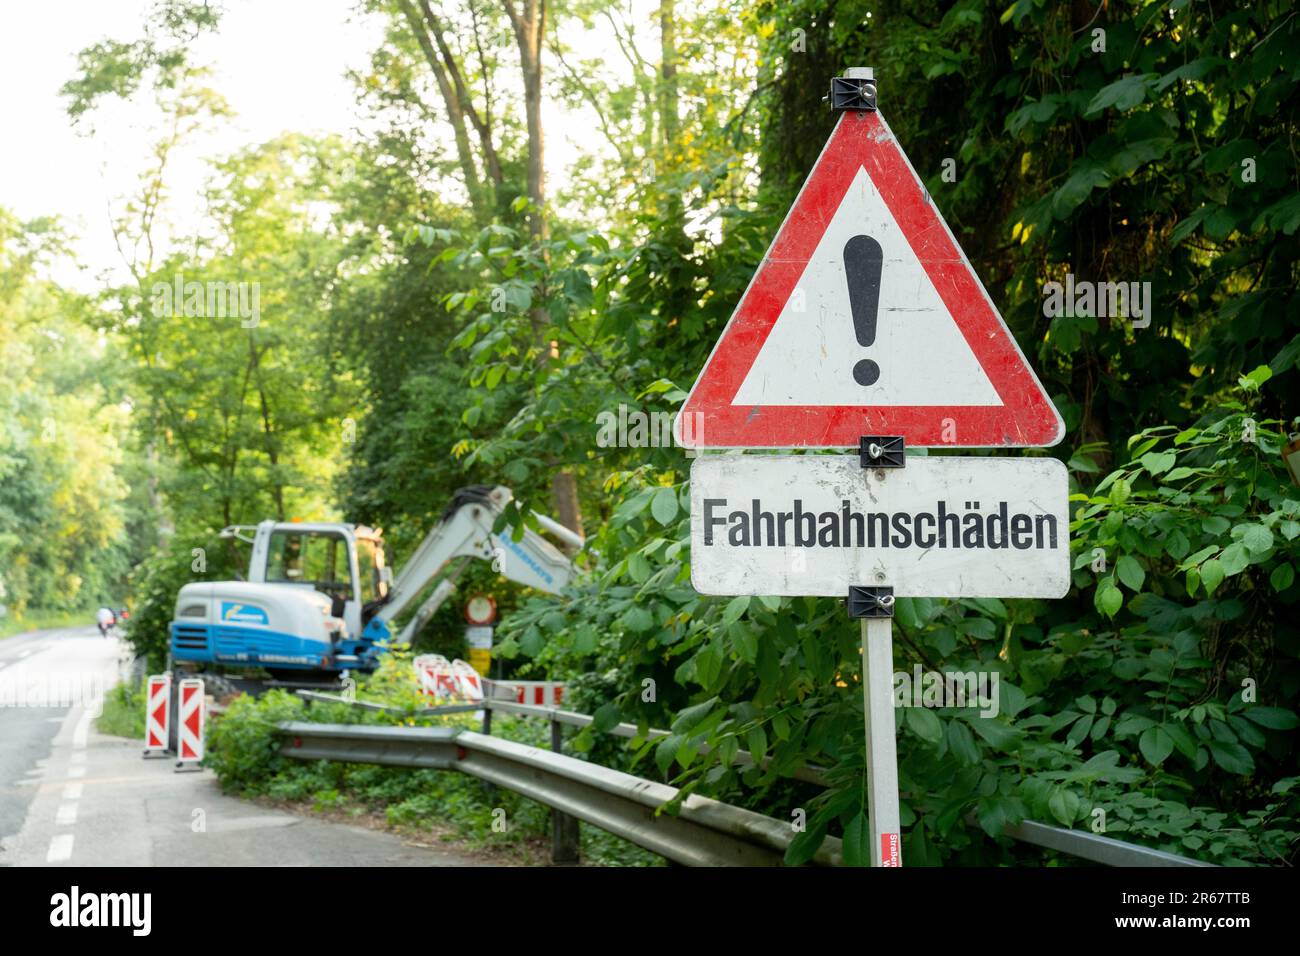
[{"x": 318, "y": 558}]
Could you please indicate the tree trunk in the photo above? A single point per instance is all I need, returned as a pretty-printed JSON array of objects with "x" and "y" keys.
[
  {"x": 455, "y": 114},
  {"x": 669, "y": 121},
  {"x": 530, "y": 31},
  {"x": 272, "y": 452},
  {"x": 530, "y": 28},
  {"x": 564, "y": 498}
]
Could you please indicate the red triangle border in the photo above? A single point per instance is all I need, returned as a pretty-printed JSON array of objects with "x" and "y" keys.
[{"x": 1027, "y": 417}]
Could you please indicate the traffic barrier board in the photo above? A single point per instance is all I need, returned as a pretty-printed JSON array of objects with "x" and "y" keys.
[
  {"x": 190, "y": 721},
  {"x": 157, "y": 711}
]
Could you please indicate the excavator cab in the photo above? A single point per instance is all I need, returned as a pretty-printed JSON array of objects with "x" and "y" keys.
[{"x": 344, "y": 562}]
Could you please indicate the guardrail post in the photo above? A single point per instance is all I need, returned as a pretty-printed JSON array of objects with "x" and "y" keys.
[
  {"x": 489, "y": 790},
  {"x": 564, "y": 828}
]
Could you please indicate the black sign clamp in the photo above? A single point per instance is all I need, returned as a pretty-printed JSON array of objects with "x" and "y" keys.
[{"x": 855, "y": 90}]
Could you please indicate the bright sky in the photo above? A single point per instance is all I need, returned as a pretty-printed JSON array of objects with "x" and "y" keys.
[{"x": 280, "y": 64}]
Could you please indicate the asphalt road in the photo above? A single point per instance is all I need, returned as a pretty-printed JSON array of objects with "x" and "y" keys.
[
  {"x": 70, "y": 796},
  {"x": 26, "y": 731}
]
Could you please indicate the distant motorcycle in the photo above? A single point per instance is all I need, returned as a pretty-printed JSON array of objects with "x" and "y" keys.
[{"x": 106, "y": 621}]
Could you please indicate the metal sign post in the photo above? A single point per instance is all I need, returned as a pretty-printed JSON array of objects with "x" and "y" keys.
[
  {"x": 882, "y": 759},
  {"x": 874, "y": 606}
]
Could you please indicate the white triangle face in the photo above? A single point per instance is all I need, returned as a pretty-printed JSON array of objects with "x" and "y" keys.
[{"x": 809, "y": 355}]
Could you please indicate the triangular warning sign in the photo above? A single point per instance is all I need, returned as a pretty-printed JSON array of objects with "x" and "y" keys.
[{"x": 865, "y": 318}]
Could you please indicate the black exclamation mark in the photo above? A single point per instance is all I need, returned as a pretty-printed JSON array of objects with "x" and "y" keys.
[{"x": 862, "y": 261}]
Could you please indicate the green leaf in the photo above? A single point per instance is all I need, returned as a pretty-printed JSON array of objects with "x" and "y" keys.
[
  {"x": 1231, "y": 757},
  {"x": 1193, "y": 70},
  {"x": 961, "y": 743},
  {"x": 745, "y": 642},
  {"x": 1254, "y": 379},
  {"x": 735, "y": 609},
  {"x": 1064, "y": 805},
  {"x": 756, "y": 742},
  {"x": 995, "y": 733},
  {"x": 805, "y": 846},
  {"x": 664, "y": 505},
  {"x": 1234, "y": 560},
  {"x": 638, "y": 619},
  {"x": 1215, "y": 524},
  {"x": 1108, "y": 598},
  {"x": 606, "y": 716},
  {"x": 1282, "y": 577},
  {"x": 1085, "y": 177},
  {"x": 690, "y": 716},
  {"x": 856, "y": 845},
  {"x": 1257, "y": 538},
  {"x": 1211, "y": 575},
  {"x": 666, "y": 751},
  {"x": 924, "y": 724},
  {"x": 1158, "y": 462},
  {"x": 1156, "y": 745},
  {"x": 1130, "y": 572},
  {"x": 1274, "y": 718},
  {"x": 1123, "y": 94}
]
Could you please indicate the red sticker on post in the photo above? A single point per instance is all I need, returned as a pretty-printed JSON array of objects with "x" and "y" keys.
[{"x": 891, "y": 853}]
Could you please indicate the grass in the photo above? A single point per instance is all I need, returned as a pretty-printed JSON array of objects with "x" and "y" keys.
[
  {"x": 123, "y": 714},
  {"x": 12, "y": 624}
]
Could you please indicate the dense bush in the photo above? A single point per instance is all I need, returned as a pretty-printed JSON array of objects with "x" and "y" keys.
[
  {"x": 155, "y": 584},
  {"x": 1160, "y": 710},
  {"x": 243, "y": 751}
]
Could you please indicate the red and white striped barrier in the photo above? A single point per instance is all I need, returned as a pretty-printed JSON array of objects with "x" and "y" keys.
[
  {"x": 457, "y": 680},
  {"x": 468, "y": 680},
  {"x": 190, "y": 724},
  {"x": 447, "y": 680},
  {"x": 433, "y": 671},
  {"x": 157, "y": 713},
  {"x": 537, "y": 693}
]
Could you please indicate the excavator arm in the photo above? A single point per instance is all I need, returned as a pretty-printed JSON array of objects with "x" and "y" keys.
[{"x": 465, "y": 532}]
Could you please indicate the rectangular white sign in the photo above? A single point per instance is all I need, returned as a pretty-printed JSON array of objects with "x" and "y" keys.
[{"x": 938, "y": 527}]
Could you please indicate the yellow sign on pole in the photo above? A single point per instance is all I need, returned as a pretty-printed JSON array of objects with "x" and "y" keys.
[{"x": 480, "y": 659}]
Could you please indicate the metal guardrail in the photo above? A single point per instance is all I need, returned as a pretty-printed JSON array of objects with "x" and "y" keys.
[
  {"x": 555, "y": 715},
  {"x": 703, "y": 832},
  {"x": 1098, "y": 849},
  {"x": 1077, "y": 843}
]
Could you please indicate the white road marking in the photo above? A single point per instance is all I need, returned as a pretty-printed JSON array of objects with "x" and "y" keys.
[
  {"x": 76, "y": 772},
  {"x": 80, "y": 735},
  {"x": 60, "y": 849},
  {"x": 72, "y": 791},
  {"x": 67, "y": 815}
]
